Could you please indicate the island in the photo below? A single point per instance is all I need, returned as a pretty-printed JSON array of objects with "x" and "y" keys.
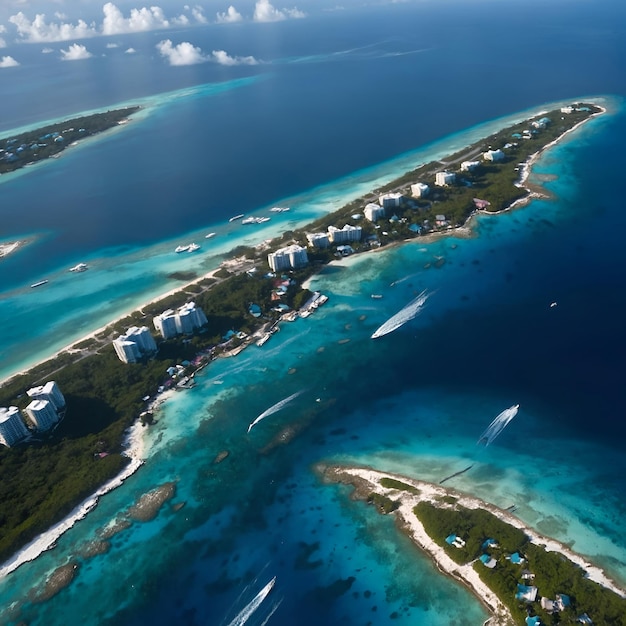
[
  {"x": 521, "y": 576},
  {"x": 29, "y": 147},
  {"x": 53, "y": 475}
]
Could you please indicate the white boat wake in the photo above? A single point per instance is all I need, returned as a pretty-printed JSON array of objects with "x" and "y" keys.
[
  {"x": 498, "y": 425},
  {"x": 246, "y": 613},
  {"x": 267, "y": 619},
  {"x": 403, "y": 316},
  {"x": 275, "y": 408}
]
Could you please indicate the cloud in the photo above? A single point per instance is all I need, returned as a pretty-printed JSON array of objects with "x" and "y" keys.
[
  {"x": 113, "y": 45},
  {"x": 229, "y": 17},
  {"x": 39, "y": 30},
  {"x": 182, "y": 54},
  {"x": 76, "y": 52},
  {"x": 114, "y": 22},
  {"x": 3, "y": 43},
  {"x": 199, "y": 15},
  {"x": 46, "y": 50},
  {"x": 223, "y": 58},
  {"x": 8, "y": 62},
  {"x": 130, "y": 51},
  {"x": 264, "y": 11}
]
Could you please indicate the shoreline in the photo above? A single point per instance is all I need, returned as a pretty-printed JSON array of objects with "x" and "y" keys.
[
  {"x": 369, "y": 478},
  {"x": 134, "y": 444}
]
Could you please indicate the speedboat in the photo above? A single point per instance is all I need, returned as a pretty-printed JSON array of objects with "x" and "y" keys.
[
  {"x": 192, "y": 247},
  {"x": 81, "y": 267},
  {"x": 210, "y": 235},
  {"x": 249, "y": 220},
  {"x": 236, "y": 217},
  {"x": 182, "y": 249}
]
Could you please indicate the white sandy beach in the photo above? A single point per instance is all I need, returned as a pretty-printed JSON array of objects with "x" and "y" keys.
[{"x": 465, "y": 573}]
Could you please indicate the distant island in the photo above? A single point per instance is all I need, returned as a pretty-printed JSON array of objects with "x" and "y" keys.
[
  {"x": 488, "y": 176},
  {"x": 522, "y": 577},
  {"x": 29, "y": 147}
]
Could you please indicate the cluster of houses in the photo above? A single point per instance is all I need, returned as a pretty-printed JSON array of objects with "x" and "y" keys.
[
  {"x": 137, "y": 342},
  {"x": 526, "y": 591},
  {"x": 12, "y": 152},
  {"x": 45, "y": 411}
]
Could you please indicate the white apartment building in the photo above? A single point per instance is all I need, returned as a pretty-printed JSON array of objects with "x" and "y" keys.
[
  {"x": 12, "y": 427},
  {"x": 419, "y": 190},
  {"x": 318, "y": 240},
  {"x": 468, "y": 166},
  {"x": 373, "y": 212},
  {"x": 42, "y": 414},
  {"x": 567, "y": 110},
  {"x": 183, "y": 321},
  {"x": 344, "y": 235},
  {"x": 291, "y": 257},
  {"x": 50, "y": 392},
  {"x": 390, "y": 200},
  {"x": 493, "y": 155},
  {"x": 133, "y": 344},
  {"x": 444, "y": 178}
]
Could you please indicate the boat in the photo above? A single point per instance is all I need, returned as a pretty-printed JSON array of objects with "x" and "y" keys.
[
  {"x": 180, "y": 249},
  {"x": 210, "y": 235},
  {"x": 323, "y": 299},
  {"x": 236, "y": 217},
  {"x": 81, "y": 267},
  {"x": 249, "y": 220},
  {"x": 261, "y": 220},
  {"x": 376, "y": 296},
  {"x": 263, "y": 339},
  {"x": 280, "y": 209},
  {"x": 39, "y": 283},
  {"x": 192, "y": 247}
]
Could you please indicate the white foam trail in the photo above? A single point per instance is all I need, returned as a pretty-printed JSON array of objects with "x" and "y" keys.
[
  {"x": 498, "y": 425},
  {"x": 275, "y": 408},
  {"x": 402, "y": 316},
  {"x": 267, "y": 619},
  {"x": 251, "y": 607}
]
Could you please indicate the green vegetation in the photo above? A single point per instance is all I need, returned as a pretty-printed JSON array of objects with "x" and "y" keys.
[
  {"x": 47, "y": 479},
  {"x": 392, "y": 483},
  {"x": 553, "y": 573},
  {"x": 43, "y": 143},
  {"x": 383, "y": 503}
]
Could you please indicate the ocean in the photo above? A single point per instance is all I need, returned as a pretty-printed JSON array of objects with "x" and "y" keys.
[{"x": 344, "y": 101}]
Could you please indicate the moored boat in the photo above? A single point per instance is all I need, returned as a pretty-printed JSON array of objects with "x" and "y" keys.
[
  {"x": 180, "y": 249},
  {"x": 81, "y": 267},
  {"x": 236, "y": 217},
  {"x": 192, "y": 247},
  {"x": 39, "y": 283},
  {"x": 210, "y": 235}
]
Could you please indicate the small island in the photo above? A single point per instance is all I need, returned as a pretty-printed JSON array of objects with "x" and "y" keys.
[
  {"x": 77, "y": 458},
  {"x": 17, "y": 151},
  {"x": 522, "y": 577}
]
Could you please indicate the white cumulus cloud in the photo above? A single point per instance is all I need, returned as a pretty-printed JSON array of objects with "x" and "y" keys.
[
  {"x": 182, "y": 54},
  {"x": 114, "y": 22},
  {"x": 199, "y": 15},
  {"x": 223, "y": 58},
  {"x": 229, "y": 17},
  {"x": 8, "y": 62},
  {"x": 264, "y": 11},
  {"x": 76, "y": 52},
  {"x": 130, "y": 51},
  {"x": 113, "y": 45},
  {"x": 46, "y": 50},
  {"x": 39, "y": 30},
  {"x": 3, "y": 43}
]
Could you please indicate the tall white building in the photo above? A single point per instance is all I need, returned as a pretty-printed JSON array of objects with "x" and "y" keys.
[
  {"x": 318, "y": 240},
  {"x": 344, "y": 235},
  {"x": 444, "y": 178},
  {"x": 183, "y": 321},
  {"x": 419, "y": 190},
  {"x": 390, "y": 200},
  {"x": 42, "y": 414},
  {"x": 493, "y": 155},
  {"x": 468, "y": 166},
  {"x": 50, "y": 392},
  {"x": 133, "y": 344},
  {"x": 291, "y": 257},
  {"x": 373, "y": 212},
  {"x": 12, "y": 427}
]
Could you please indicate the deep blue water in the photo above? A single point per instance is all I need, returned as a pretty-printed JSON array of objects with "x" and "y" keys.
[{"x": 340, "y": 92}]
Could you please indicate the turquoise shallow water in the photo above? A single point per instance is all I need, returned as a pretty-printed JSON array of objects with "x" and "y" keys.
[{"x": 413, "y": 402}]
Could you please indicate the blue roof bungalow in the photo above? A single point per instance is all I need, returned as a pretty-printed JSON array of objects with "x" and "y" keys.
[
  {"x": 254, "y": 310},
  {"x": 516, "y": 558},
  {"x": 526, "y": 593},
  {"x": 488, "y": 561},
  {"x": 533, "y": 621},
  {"x": 489, "y": 543},
  {"x": 516, "y": 136},
  {"x": 415, "y": 228},
  {"x": 584, "y": 619}
]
